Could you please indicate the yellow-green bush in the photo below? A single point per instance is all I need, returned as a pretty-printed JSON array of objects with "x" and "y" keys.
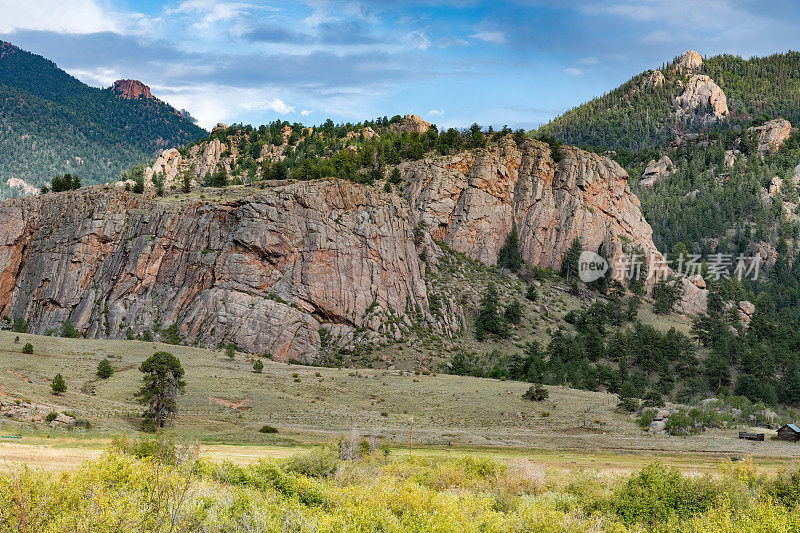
[{"x": 318, "y": 491}]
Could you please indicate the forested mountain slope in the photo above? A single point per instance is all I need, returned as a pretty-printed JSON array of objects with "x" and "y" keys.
[
  {"x": 52, "y": 123},
  {"x": 645, "y": 112}
]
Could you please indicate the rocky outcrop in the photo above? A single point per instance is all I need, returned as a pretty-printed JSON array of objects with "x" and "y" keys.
[
  {"x": 772, "y": 134},
  {"x": 411, "y": 124},
  {"x": 702, "y": 94},
  {"x": 266, "y": 271},
  {"x": 131, "y": 89},
  {"x": 690, "y": 61},
  {"x": 278, "y": 269},
  {"x": 26, "y": 188},
  {"x": 470, "y": 200},
  {"x": 730, "y": 157},
  {"x": 656, "y": 171},
  {"x": 654, "y": 79},
  {"x": 745, "y": 310},
  {"x": 694, "y": 296}
]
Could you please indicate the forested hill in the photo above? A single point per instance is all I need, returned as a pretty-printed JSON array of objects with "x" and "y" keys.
[
  {"x": 642, "y": 113},
  {"x": 52, "y": 123}
]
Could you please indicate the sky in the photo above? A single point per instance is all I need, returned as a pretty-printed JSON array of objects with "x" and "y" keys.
[{"x": 517, "y": 63}]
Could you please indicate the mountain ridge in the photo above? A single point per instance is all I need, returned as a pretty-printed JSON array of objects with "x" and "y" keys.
[{"x": 51, "y": 123}]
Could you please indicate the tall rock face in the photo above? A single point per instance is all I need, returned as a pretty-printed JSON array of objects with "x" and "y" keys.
[
  {"x": 131, "y": 89},
  {"x": 297, "y": 267},
  {"x": 470, "y": 200},
  {"x": 266, "y": 271}
]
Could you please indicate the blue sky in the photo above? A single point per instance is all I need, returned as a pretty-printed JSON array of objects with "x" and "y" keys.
[{"x": 518, "y": 63}]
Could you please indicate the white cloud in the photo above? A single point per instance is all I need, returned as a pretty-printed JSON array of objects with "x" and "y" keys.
[
  {"x": 275, "y": 104},
  {"x": 572, "y": 71},
  {"x": 591, "y": 60},
  {"x": 73, "y": 16},
  {"x": 210, "y": 12},
  {"x": 98, "y": 77},
  {"x": 306, "y": 112},
  {"x": 436, "y": 112},
  {"x": 418, "y": 39},
  {"x": 496, "y": 37}
]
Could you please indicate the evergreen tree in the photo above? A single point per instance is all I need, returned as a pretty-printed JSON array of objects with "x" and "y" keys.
[
  {"x": 489, "y": 318},
  {"x": 58, "y": 385},
  {"x": 161, "y": 384},
  {"x": 104, "y": 369},
  {"x": 509, "y": 255},
  {"x": 569, "y": 266}
]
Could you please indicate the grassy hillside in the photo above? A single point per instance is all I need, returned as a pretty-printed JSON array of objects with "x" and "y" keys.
[{"x": 51, "y": 123}]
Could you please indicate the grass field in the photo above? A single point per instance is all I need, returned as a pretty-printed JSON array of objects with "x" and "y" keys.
[{"x": 226, "y": 403}]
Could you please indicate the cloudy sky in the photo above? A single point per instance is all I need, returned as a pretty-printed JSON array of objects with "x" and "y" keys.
[{"x": 498, "y": 62}]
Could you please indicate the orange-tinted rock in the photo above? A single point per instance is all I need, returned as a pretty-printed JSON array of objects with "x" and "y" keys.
[
  {"x": 131, "y": 89},
  {"x": 265, "y": 272}
]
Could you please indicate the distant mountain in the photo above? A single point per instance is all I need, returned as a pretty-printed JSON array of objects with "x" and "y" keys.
[
  {"x": 686, "y": 96},
  {"x": 51, "y": 123}
]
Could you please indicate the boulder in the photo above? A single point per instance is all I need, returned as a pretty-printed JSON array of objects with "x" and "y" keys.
[
  {"x": 410, "y": 124},
  {"x": 657, "y": 171},
  {"x": 698, "y": 281},
  {"x": 772, "y": 134},
  {"x": 702, "y": 92},
  {"x": 657, "y": 425},
  {"x": 730, "y": 157},
  {"x": 654, "y": 79},
  {"x": 694, "y": 299},
  {"x": 690, "y": 61}
]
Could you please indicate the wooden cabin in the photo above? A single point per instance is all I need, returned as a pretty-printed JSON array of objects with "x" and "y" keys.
[
  {"x": 789, "y": 432},
  {"x": 751, "y": 436}
]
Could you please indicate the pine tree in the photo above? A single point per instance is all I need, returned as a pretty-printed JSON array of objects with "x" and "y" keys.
[
  {"x": 489, "y": 318},
  {"x": 569, "y": 267},
  {"x": 161, "y": 385},
  {"x": 509, "y": 255},
  {"x": 58, "y": 385},
  {"x": 104, "y": 369}
]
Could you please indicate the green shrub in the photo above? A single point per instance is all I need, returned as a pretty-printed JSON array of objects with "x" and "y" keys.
[
  {"x": 318, "y": 462},
  {"x": 28, "y": 348},
  {"x": 68, "y": 330},
  {"x": 20, "y": 325},
  {"x": 258, "y": 366},
  {"x": 536, "y": 393},
  {"x": 659, "y": 493},
  {"x": 267, "y": 429},
  {"x": 104, "y": 369},
  {"x": 230, "y": 350},
  {"x": 52, "y": 415},
  {"x": 58, "y": 385}
]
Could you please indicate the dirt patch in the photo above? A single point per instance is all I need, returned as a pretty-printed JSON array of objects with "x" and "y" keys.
[
  {"x": 20, "y": 376},
  {"x": 232, "y": 404}
]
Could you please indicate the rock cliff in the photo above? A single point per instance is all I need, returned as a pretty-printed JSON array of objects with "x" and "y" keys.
[
  {"x": 265, "y": 271},
  {"x": 296, "y": 266},
  {"x": 470, "y": 200}
]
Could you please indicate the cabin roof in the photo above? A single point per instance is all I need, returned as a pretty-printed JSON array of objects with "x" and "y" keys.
[{"x": 793, "y": 427}]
